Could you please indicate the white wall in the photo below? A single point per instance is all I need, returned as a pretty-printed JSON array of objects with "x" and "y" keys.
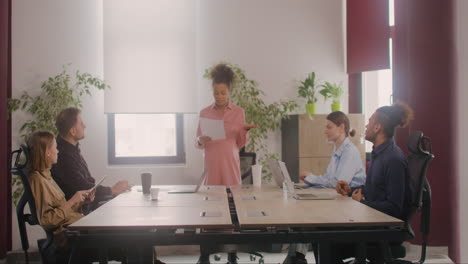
[
  {"x": 276, "y": 42},
  {"x": 46, "y": 35},
  {"x": 461, "y": 22}
]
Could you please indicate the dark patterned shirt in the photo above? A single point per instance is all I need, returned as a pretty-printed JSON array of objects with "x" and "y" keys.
[{"x": 71, "y": 172}]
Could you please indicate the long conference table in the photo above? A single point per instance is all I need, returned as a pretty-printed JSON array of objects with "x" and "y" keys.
[{"x": 217, "y": 215}]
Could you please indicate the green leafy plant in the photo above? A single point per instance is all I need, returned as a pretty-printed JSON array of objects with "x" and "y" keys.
[
  {"x": 57, "y": 93},
  {"x": 308, "y": 88},
  {"x": 331, "y": 90},
  {"x": 246, "y": 94}
]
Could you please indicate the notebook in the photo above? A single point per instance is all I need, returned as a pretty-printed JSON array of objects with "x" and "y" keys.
[
  {"x": 190, "y": 188},
  {"x": 302, "y": 196}
]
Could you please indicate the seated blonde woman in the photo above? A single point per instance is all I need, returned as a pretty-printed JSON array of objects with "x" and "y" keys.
[{"x": 54, "y": 212}]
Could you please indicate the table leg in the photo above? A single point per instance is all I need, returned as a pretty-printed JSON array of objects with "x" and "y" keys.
[
  {"x": 102, "y": 255},
  {"x": 324, "y": 252},
  {"x": 361, "y": 253},
  {"x": 146, "y": 255},
  {"x": 74, "y": 255}
]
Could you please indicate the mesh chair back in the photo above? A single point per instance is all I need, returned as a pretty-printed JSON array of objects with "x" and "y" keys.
[
  {"x": 20, "y": 168},
  {"x": 418, "y": 162}
]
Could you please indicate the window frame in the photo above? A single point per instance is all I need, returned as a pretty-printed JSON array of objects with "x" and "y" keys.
[{"x": 179, "y": 158}]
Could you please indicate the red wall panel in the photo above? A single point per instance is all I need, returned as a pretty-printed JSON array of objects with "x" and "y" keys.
[
  {"x": 424, "y": 78},
  {"x": 5, "y": 126}
]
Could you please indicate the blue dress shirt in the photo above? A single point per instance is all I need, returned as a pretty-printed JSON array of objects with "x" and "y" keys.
[
  {"x": 387, "y": 187},
  {"x": 345, "y": 164}
]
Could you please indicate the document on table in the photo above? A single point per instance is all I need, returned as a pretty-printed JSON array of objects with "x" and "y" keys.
[{"x": 212, "y": 128}]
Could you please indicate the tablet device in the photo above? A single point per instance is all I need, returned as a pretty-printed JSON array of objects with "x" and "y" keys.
[{"x": 97, "y": 184}]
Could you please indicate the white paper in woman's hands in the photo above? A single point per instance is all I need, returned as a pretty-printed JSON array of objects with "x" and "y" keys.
[{"x": 212, "y": 128}]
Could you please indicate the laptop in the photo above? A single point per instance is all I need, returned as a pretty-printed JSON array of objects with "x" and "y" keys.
[
  {"x": 190, "y": 188},
  {"x": 278, "y": 175},
  {"x": 276, "y": 171},
  {"x": 302, "y": 196}
]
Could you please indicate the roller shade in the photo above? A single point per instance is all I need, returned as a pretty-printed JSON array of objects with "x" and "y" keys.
[
  {"x": 149, "y": 56},
  {"x": 367, "y": 35}
]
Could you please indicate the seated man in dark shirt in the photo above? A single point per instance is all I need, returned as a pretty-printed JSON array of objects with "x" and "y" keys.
[
  {"x": 387, "y": 188},
  {"x": 71, "y": 170}
]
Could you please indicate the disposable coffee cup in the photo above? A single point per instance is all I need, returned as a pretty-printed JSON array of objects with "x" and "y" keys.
[
  {"x": 257, "y": 175},
  {"x": 154, "y": 193},
  {"x": 146, "y": 182}
]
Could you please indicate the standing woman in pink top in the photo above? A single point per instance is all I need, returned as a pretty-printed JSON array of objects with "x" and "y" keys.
[{"x": 222, "y": 156}]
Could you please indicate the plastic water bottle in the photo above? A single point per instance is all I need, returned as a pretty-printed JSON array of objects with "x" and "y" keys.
[{"x": 285, "y": 191}]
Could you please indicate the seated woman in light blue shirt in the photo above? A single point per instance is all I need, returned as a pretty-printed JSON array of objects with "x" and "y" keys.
[{"x": 346, "y": 163}]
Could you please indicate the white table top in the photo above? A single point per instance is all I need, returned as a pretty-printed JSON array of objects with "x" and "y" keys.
[
  {"x": 206, "y": 196},
  {"x": 207, "y": 208},
  {"x": 267, "y": 206}
]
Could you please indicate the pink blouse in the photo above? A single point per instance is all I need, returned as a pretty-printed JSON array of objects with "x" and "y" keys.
[{"x": 222, "y": 156}]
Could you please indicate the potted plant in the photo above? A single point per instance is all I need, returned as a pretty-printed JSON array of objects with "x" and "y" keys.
[
  {"x": 334, "y": 91},
  {"x": 57, "y": 93},
  {"x": 307, "y": 90},
  {"x": 246, "y": 94}
]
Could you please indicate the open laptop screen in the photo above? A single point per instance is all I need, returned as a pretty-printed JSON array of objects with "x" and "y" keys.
[
  {"x": 191, "y": 189},
  {"x": 276, "y": 171}
]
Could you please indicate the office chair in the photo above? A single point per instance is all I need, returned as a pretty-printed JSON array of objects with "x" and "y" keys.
[
  {"x": 21, "y": 159},
  {"x": 418, "y": 162},
  {"x": 247, "y": 159}
]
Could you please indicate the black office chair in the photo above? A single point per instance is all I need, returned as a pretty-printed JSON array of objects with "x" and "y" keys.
[
  {"x": 418, "y": 162},
  {"x": 21, "y": 159},
  {"x": 247, "y": 159}
]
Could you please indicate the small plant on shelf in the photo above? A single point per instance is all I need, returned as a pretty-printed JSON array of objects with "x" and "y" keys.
[
  {"x": 307, "y": 90},
  {"x": 334, "y": 91}
]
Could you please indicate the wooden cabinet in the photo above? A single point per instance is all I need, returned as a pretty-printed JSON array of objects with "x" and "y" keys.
[{"x": 305, "y": 146}]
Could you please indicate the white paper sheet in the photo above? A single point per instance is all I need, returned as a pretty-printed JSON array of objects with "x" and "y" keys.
[{"x": 212, "y": 128}]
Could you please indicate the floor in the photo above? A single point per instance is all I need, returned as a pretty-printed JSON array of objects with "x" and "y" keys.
[{"x": 189, "y": 254}]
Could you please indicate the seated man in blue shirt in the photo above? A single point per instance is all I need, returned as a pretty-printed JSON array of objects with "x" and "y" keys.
[{"x": 387, "y": 188}]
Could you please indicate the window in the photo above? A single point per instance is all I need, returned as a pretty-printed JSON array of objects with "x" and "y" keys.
[
  {"x": 377, "y": 92},
  {"x": 378, "y": 85},
  {"x": 146, "y": 138}
]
